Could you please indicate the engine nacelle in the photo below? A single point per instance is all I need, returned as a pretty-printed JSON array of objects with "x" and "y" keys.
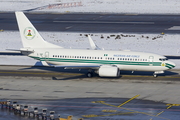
[{"x": 109, "y": 71}]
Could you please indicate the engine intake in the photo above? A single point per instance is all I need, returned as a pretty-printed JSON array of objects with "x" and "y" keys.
[{"x": 109, "y": 71}]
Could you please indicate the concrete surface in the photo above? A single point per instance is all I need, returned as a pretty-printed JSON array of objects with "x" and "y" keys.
[{"x": 94, "y": 98}]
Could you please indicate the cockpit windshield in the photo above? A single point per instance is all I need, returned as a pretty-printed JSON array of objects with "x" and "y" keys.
[{"x": 163, "y": 59}]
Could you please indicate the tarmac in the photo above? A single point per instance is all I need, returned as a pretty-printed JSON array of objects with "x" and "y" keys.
[{"x": 130, "y": 97}]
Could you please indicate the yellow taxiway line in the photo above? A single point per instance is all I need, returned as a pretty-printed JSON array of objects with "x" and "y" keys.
[{"x": 128, "y": 100}]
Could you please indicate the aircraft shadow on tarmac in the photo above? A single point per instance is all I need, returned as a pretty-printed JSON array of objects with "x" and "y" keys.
[{"x": 81, "y": 73}]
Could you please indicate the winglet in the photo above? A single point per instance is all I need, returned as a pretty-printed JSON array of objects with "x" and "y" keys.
[{"x": 92, "y": 44}]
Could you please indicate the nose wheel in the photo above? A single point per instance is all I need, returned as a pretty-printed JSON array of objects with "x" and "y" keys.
[{"x": 155, "y": 75}]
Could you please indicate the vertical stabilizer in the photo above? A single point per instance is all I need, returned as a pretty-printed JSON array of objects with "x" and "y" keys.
[{"x": 29, "y": 35}]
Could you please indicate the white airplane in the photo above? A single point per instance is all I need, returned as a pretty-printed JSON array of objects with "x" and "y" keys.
[{"x": 105, "y": 63}]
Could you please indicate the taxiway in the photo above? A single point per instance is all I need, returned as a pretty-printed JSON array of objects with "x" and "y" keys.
[{"x": 103, "y": 23}]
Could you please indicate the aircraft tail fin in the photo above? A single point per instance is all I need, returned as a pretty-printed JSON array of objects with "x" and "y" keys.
[{"x": 29, "y": 35}]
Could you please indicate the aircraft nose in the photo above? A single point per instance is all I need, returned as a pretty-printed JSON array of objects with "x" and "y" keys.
[{"x": 170, "y": 65}]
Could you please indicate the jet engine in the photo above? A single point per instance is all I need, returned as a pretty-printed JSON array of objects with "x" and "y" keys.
[{"x": 109, "y": 71}]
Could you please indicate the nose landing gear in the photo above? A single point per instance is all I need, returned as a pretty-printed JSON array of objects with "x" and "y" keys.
[{"x": 156, "y": 73}]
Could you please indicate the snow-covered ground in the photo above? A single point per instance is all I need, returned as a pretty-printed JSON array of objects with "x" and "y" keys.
[
  {"x": 115, "y": 6},
  {"x": 154, "y": 43}
]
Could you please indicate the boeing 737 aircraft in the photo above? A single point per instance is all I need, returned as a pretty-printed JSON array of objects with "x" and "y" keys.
[{"x": 105, "y": 63}]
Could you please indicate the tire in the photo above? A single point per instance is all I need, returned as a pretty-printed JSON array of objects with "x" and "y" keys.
[
  {"x": 89, "y": 74},
  {"x": 155, "y": 76}
]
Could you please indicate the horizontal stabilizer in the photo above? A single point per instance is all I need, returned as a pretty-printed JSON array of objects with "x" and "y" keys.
[
  {"x": 22, "y": 50},
  {"x": 13, "y": 53}
]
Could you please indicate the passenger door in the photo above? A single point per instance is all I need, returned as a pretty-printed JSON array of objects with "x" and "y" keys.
[
  {"x": 46, "y": 56},
  {"x": 151, "y": 60}
]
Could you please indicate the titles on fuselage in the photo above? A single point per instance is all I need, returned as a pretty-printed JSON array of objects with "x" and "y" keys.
[{"x": 135, "y": 56}]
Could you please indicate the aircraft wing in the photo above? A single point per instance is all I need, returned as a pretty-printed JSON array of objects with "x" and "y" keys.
[
  {"x": 44, "y": 63},
  {"x": 79, "y": 66}
]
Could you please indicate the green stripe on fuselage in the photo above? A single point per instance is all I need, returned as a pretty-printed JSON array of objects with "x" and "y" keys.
[{"x": 169, "y": 66}]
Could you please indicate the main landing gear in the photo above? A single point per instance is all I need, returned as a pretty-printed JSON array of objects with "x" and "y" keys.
[{"x": 89, "y": 74}]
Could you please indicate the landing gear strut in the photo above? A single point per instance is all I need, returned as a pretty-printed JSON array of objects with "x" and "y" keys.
[{"x": 156, "y": 73}]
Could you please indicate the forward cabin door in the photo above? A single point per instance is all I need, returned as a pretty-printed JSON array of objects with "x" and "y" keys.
[{"x": 151, "y": 60}]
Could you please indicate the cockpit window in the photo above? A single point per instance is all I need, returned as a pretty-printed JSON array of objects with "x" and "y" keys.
[{"x": 163, "y": 59}]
